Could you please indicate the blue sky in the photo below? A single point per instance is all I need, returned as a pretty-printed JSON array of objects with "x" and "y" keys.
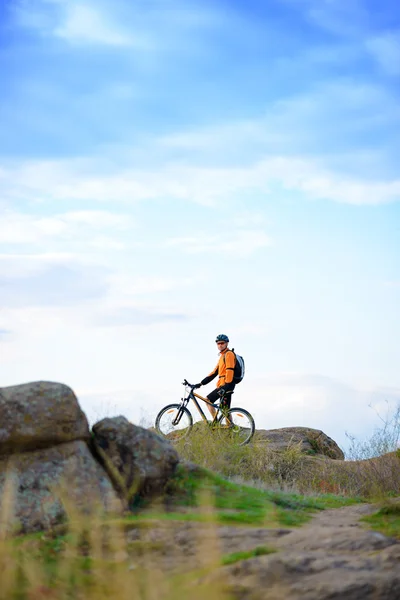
[{"x": 173, "y": 170}]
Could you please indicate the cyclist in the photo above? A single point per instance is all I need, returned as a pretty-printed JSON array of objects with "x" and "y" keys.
[{"x": 224, "y": 369}]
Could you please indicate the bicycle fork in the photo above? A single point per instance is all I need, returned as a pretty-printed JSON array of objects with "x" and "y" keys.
[{"x": 179, "y": 414}]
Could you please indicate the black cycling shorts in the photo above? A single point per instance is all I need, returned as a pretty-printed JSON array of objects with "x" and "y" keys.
[{"x": 214, "y": 395}]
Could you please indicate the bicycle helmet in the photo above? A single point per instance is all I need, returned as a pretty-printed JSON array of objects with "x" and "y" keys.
[{"x": 222, "y": 338}]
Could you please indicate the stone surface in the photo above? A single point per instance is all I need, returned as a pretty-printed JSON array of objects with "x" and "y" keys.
[
  {"x": 38, "y": 415},
  {"x": 138, "y": 461},
  {"x": 310, "y": 441},
  {"x": 181, "y": 545},
  {"x": 39, "y": 489},
  {"x": 332, "y": 558}
]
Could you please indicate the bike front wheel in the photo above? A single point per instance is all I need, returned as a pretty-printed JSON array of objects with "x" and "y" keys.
[
  {"x": 174, "y": 422},
  {"x": 237, "y": 426}
]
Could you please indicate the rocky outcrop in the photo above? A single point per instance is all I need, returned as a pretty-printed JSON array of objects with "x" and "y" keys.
[
  {"x": 50, "y": 463},
  {"x": 46, "y": 468},
  {"x": 38, "y": 415},
  {"x": 43, "y": 488},
  {"x": 137, "y": 460},
  {"x": 310, "y": 441}
]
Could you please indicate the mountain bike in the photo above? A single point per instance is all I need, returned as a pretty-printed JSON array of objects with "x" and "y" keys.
[{"x": 175, "y": 421}]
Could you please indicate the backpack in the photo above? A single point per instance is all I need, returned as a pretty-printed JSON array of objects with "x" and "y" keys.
[{"x": 238, "y": 373}]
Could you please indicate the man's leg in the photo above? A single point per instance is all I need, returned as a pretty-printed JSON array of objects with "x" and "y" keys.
[
  {"x": 226, "y": 402},
  {"x": 213, "y": 397}
]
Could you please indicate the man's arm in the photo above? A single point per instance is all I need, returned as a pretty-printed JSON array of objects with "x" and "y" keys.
[
  {"x": 210, "y": 377},
  {"x": 230, "y": 366}
]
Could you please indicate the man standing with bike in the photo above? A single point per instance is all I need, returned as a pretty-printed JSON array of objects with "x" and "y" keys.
[
  {"x": 175, "y": 421},
  {"x": 225, "y": 370}
]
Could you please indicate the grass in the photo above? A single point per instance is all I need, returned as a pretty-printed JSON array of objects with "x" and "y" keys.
[
  {"x": 97, "y": 558},
  {"x": 386, "y": 520},
  {"x": 122, "y": 557},
  {"x": 230, "y": 559},
  {"x": 245, "y": 504},
  {"x": 291, "y": 469}
]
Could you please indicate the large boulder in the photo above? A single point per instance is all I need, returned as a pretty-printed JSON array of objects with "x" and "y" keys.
[
  {"x": 38, "y": 415},
  {"x": 43, "y": 488},
  {"x": 309, "y": 441},
  {"x": 137, "y": 460}
]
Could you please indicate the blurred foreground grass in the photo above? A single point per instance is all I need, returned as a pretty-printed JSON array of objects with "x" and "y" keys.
[{"x": 93, "y": 558}]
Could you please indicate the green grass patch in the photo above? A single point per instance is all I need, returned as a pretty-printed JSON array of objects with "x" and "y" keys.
[
  {"x": 386, "y": 520},
  {"x": 230, "y": 559},
  {"x": 244, "y": 504},
  {"x": 97, "y": 559}
]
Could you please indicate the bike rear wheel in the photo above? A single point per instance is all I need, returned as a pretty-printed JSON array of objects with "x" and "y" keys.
[
  {"x": 174, "y": 422},
  {"x": 236, "y": 426}
]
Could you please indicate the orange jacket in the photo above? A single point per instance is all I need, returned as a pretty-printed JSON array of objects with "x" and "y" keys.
[{"x": 224, "y": 369}]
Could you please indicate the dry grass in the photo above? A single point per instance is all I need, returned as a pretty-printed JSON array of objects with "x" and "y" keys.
[
  {"x": 255, "y": 461},
  {"x": 385, "y": 438},
  {"x": 93, "y": 559},
  {"x": 372, "y": 478},
  {"x": 291, "y": 469}
]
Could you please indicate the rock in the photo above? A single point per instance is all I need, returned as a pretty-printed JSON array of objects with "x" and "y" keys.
[
  {"x": 180, "y": 546},
  {"x": 331, "y": 558},
  {"x": 312, "y": 576},
  {"x": 38, "y": 415},
  {"x": 310, "y": 441},
  {"x": 40, "y": 489},
  {"x": 138, "y": 461}
]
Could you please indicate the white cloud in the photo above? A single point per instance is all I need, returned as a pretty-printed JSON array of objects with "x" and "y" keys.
[
  {"x": 136, "y": 316},
  {"x": 352, "y": 19},
  {"x": 77, "y": 22},
  {"x": 56, "y": 287},
  {"x": 239, "y": 243},
  {"x": 385, "y": 49},
  {"x": 82, "y": 291},
  {"x": 23, "y": 228},
  {"x": 341, "y": 128},
  {"x": 296, "y": 145},
  {"x": 320, "y": 402},
  {"x": 83, "y": 23},
  {"x": 248, "y": 219},
  {"x": 124, "y": 287},
  {"x": 201, "y": 185},
  {"x": 342, "y": 17},
  {"x": 26, "y": 264},
  {"x": 58, "y": 284},
  {"x": 149, "y": 30}
]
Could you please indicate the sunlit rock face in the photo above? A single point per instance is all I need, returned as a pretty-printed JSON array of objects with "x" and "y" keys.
[{"x": 39, "y": 415}]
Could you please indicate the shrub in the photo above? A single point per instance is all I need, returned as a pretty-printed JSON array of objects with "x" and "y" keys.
[{"x": 384, "y": 439}]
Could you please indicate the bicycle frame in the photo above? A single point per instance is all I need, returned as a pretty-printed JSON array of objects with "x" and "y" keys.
[
  {"x": 238, "y": 421},
  {"x": 192, "y": 396}
]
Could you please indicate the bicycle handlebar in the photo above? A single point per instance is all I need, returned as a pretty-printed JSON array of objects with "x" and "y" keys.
[{"x": 185, "y": 382}]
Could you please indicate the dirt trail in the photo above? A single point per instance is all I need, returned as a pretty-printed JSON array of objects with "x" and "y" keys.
[{"x": 334, "y": 557}]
